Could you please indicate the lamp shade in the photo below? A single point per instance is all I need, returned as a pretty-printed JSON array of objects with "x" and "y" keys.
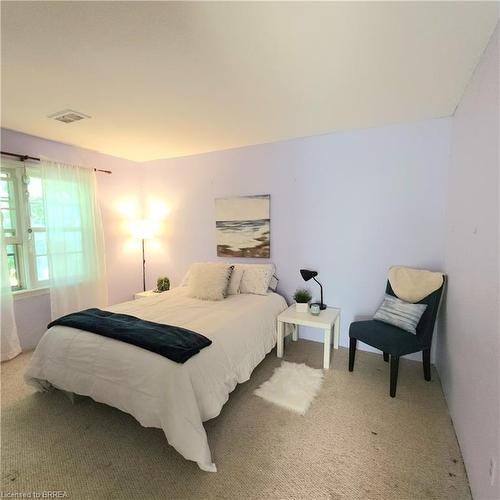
[
  {"x": 307, "y": 275},
  {"x": 143, "y": 229}
]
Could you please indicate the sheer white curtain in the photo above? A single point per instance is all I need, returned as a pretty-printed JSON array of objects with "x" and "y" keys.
[
  {"x": 75, "y": 240},
  {"x": 9, "y": 345}
]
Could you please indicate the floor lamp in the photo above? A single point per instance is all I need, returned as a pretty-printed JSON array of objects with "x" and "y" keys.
[{"x": 143, "y": 230}]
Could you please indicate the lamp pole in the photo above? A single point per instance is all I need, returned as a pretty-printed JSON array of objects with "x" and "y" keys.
[
  {"x": 143, "y": 230},
  {"x": 321, "y": 306},
  {"x": 306, "y": 276},
  {"x": 143, "y": 268}
]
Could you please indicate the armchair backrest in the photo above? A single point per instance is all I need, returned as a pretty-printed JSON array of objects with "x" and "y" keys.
[{"x": 425, "y": 327}]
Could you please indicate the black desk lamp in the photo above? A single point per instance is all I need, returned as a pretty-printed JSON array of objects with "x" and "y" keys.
[{"x": 307, "y": 275}]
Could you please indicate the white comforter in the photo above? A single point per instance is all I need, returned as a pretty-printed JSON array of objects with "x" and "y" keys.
[{"x": 157, "y": 391}]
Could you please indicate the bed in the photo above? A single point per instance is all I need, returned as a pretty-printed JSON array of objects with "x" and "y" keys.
[{"x": 158, "y": 392}]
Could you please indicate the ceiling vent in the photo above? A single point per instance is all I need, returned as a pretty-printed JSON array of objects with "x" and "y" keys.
[{"x": 68, "y": 116}]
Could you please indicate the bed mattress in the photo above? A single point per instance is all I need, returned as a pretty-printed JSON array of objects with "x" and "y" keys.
[{"x": 158, "y": 392}]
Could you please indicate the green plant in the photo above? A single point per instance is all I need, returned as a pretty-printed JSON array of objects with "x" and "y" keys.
[
  {"x": 162, "y": 284},
  {"x": 302, "y": 296}
]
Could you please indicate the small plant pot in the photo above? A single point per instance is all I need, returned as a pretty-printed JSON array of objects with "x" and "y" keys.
[{"x": 302, "y": 307}]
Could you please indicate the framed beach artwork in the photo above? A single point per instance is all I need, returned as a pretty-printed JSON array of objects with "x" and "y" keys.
[{"x": 243, "y": 226}]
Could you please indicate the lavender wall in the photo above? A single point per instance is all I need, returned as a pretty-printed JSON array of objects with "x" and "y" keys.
[
  {"x": 468, "y": 348},
  {"x": 32, "y": 314},
  {"x": 123, "y": 263},
  {"x": 348, "y": 204}
]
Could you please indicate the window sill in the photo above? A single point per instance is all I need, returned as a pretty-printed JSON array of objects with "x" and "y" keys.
[{"x": 24, "y": 294}]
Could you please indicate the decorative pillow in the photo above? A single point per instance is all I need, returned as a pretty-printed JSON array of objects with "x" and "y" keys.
[
  {"x": 209, "y": 281},
  {"x": 256, "y": 278},
  {"x": 273, "y": 284},
  {"x": 235, "y": 281},
  {"x": 399, "y": 313}
]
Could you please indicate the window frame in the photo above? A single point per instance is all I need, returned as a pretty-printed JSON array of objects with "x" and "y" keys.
[
  {"x": 18, "y": 239},
  {"x": 30, "y": 234},
  {"x": 24, "y": 238}
]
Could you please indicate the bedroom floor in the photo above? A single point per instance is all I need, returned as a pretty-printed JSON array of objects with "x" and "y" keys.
[{"x": 354, "y": 443}]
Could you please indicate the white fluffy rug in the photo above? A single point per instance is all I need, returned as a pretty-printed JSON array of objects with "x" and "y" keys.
[{"x": 292, "y": 386}]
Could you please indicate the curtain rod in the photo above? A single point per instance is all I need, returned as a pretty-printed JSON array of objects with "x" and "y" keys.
[{"x": 32, "y": 158}]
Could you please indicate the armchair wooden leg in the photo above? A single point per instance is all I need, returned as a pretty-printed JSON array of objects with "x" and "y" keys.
[
  {"x": 394, "y": 375},
  {"x": 352, "y": 352},
  {"x": 386, "y": 357},
  {"x": 426, "y": 359}
]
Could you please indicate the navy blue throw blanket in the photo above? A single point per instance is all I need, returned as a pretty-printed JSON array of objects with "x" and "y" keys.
[{"x": 172, "y": 342}]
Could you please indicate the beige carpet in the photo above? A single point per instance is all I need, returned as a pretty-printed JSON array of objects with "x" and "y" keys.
[{"x": 354, "y": 443}]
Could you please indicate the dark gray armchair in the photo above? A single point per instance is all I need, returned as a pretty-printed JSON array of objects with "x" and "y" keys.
[{"x": 393, "y": 341}]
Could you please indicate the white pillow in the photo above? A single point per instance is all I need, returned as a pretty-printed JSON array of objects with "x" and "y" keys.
[
  {"x": 234, "y": 282},
  {"x": 273, "y": 285},
  {"x": 256, "y": 278},
  {"x": 209, "y": 281}
]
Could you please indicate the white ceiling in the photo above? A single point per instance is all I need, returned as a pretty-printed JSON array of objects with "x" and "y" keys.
[{"x": 166, "y": 79}]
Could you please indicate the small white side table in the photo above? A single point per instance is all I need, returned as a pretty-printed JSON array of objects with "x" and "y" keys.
[
  {"x": 147, "y": 293},
  {"x": 327, "y": 320}
]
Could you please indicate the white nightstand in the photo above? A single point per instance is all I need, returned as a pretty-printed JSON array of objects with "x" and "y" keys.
[
  {"x": 327, "y": 320},
  {"x": 147, "y": 293}
]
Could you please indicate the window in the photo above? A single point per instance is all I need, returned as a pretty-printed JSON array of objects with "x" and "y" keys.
[
  {"x": 23, "y": 217},
  {"x": 40, "y": 263}
]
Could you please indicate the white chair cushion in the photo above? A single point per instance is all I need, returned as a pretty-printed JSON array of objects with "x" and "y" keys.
[{"x": 412, "y": 285}]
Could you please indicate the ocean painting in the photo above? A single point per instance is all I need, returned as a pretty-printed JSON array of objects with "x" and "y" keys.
[{"x": 243, "y": 226}]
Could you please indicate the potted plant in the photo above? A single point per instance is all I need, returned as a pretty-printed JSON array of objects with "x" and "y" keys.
[
  {"x": 162, "y": 284},
  {"x": 302, "y": 298}
]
